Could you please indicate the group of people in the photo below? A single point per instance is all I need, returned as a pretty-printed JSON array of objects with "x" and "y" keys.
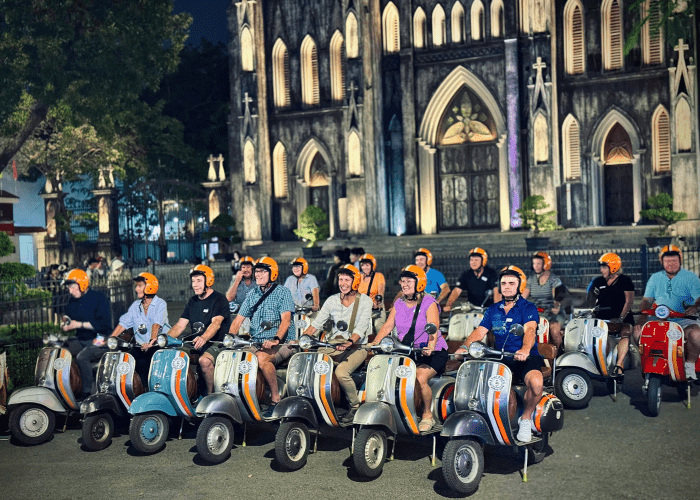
[{"x": 261, "y": 302}]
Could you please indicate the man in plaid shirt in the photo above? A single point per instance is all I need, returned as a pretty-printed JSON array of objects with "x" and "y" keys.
[{"x": 277, "y": 308}]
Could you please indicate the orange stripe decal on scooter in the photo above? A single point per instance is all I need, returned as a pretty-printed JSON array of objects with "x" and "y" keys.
[
  {"x": 322, "y": 391},
  {"x": 601, "y": 357},
  {"x": 674, "y": 366},
  {"x": 178, "y": 392},
  {"x": 540, "y": 409},
  {"x": 404, "y": 403},
  {"x": 62, "y": 386},
  {"x": 123, "y": 383},
  {"x": 246, "y": 392},
  {"x": 497, "y": 410}
]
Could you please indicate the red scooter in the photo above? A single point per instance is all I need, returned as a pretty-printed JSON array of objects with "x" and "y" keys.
[{"x": 662, "y": 351}]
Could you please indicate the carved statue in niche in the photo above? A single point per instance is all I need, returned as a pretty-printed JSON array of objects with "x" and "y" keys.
[
  {"x": 103, "y": 214},
  {"x": 467, "y": 120},
  {"x": 214, "y": 208},
  {"x": 51, "y": 218}
]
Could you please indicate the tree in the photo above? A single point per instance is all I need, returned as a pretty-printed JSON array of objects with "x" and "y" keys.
[
  {"x": 538, "y": 222},
  {"x": 676, "y": 18},
  {"x": 312, "y": 225},
  {"x": 662, "y": 212},
  {"x": 94, "y": 57}
]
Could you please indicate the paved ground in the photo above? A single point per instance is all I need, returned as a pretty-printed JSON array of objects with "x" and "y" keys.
[{"x": 606, "y": 450}]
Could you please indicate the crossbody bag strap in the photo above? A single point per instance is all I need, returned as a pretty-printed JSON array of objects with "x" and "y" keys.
[
  {"x": 411, "y": 334},
  {"x": 355, "y": 307}
]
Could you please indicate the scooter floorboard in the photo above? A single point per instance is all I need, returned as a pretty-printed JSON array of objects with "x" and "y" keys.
[
  {"x": 535, "y": 439},
  {"x": 432, "y": 430}
]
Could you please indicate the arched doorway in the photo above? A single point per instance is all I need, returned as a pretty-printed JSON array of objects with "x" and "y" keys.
[
  {"x": 316, "y": 183},
  {"x": 617, "y": 177}
]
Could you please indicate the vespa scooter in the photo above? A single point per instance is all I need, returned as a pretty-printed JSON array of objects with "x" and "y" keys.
[
  {"x": 464, "y": 319},
  {"x": 301, "y": 317}
]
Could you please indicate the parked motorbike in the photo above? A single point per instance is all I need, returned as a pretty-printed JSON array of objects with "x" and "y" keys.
[
  {"x": 393, "y": 406},
  {"x": 301, "y": 316},
  {"x": 487, "y": 403},
  {"x": 172, "y": 392},
  {"x": 542, "y": 328},
  {"x": 590, "y": 352},
  {"x": 464, "y": 319},
  {"x": 118, "y": 384},
  {"x": 662, "y": 350}
]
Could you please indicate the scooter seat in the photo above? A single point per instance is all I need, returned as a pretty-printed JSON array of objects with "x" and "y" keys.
[
  {"x": 76, "y": 383},
  {"x": 191, "y": 382}
]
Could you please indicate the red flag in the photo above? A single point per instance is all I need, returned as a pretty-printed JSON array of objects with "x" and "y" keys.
[{"x": 14, "y": 169}]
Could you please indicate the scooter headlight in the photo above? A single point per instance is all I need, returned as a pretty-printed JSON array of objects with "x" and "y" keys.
[
  {"x": 662, "y": 312},
  {"x": 386, "y": 345},
  {"x": 228, "y": 341},
  {"x": 112, "y": 343},
  {"x": 162, "y": 340},
  {"x": 305, "y": 342},
  {"x": 477, "y": 350}
]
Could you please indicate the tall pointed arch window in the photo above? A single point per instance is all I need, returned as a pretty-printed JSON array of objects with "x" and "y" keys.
[
  {"x": 497, "y": 21},
  {"x": 574, "y": 49},
  {"x": 249, "y": 162},
  {"x": 352, "y": 36},
  {"x": 572, "y": 150},
  {"x": 279, "y": 167},
  {"x": 477, "y": 20},
  {"x": 438, "y": 25},
  {"x": 390, "y": 28},
  {"x": 652, "y": 44},
  {"x": 309, "y": 72},
  {"x": 541, "y": 139},
  {"x": 337, "y": 67},
  {"x": 247, "y": 58},
  {"x": 661, "y": 141},
  {"x": 280, "y": 75},
  {"x": 457, "y": 24},
  {"x": 354, "y": 155},
  {"x": 611, "y": 14},
  {"x": 419, "y": 21}
]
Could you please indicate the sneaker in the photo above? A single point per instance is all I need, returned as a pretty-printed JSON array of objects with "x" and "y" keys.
[
  {"x": 270, "y": 410},
  {"x": 350, "y": 415},
  {"x": 690, "y": 371},
  {"x": 524, "y": 430}
]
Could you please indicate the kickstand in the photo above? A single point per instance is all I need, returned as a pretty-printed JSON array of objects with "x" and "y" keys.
[
  {"x": 687, "y": 388},
  {"x": 615, "y": 390},
  {"x": 65, "y": 422},
  {"x": 245, "y": 431},
  {"x": 352, "y": 444},
  {"x": 182, "y": 424},
  {"x": 318, "y": 433},
  {"x": 525, "y": 468},
  {"x": 393, "y": 445},
  {"x": 432, "y": 461}
]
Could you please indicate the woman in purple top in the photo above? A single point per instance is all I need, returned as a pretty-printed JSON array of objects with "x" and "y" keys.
[{"x": 433, "y": 358}]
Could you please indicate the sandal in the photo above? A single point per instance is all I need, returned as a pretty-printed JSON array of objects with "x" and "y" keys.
[
  {"x": 617, "y": 372},
  {"x": 426, "y": 424}
]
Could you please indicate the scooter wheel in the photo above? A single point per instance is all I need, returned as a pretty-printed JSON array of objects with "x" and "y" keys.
[
  {"x": 574, "y": 387},
  {"x": 369, "y": 452},
  {"x": 32, "y": 424},
  {"x": 214, "y": 439},
  {"x": 149, "y": 432},
  {"x": 654, "y": 395},
  {"x": 98, "y": 431},
  {"x": 463, "y": 465},
  {"x": 292, "y": 445}
]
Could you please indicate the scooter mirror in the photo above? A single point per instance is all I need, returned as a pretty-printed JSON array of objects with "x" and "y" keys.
[
  {"x": 379, "y": 297},
  {"x": 197, "y": 327},
  {"x": 45, "y": 339},
  {"x": 517, "y": 329},
  {"x": 430, "y": 328},
  {"x": 266, "y": 325},
  {"x": 142, "y": 329},
  {"x": 66, "y": 320},
  {"x": 342, "y": 326},
  {"x": 233, "y": 307},
  {"x": 308, "y": 296},
  {"x": 328, "y": 325}
]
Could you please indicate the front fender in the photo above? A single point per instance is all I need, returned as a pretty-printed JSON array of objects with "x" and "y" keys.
[
  {"x": 467, "y": 423},
  {"x": 38, "y": 395},
  {"x": 101, "y": 402},
  {"x": 220, "y": 403},
  {"x": 152, "y": 402},
  {"x": 376, "y": 413},
  {"x": 576, "y": 360},
  {"x": 296, "y": 407}
]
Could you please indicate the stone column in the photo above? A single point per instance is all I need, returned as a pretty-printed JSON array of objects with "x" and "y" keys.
[
  {"x": 52, "y": 241},
  {"x": 107, "y": 222}
]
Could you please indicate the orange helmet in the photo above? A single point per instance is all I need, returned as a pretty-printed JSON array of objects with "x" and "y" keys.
[
  {"x": 269, "y": 264},
  {"x": 151, "y": 283},
  {"x": 670, "y": 250},
  {"x": 546, "y": 258},
  {"x": 78, "y": 277},
  {"x": 417, "y": 274},
  {"x": 426, "y": 253},
  {"x": 513, "y": 271},
  {"x": 368, "y": 257},
  {"x": 202, "y": 270},
  {"x": 351, "y": 271},
  {"x": 481, "y": 253},
  {"x": 612, "y": 260},
  {"x": 247, "y": 260},
  {"x": 300, "y": 261}
]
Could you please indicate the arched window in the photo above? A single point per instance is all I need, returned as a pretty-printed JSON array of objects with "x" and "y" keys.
[
  {"x": 247, "y": 63},
  {"x": 457, "y": 25},
  {"x": 611, "y": 20},
  {"x": 354, "y": 155},
  {"x": 352, "y": 36},
  {"x": 661, "y": 141},
  {"x": 497, "y": 27},
  {"x": 309, "y": 72},
  {"x": 419, "y": 21},
  {"x": 280, "y": 75},
  {"x": 683, "y": 128},
  {"x": 438, "y": 21},
  {"x": 477, "y": 20},
  {"x": 652, "y": 45},
  {"x": 540, "y": 15},
  {"x": 574, "y": 49},
  {"x": 572, "y": 150},
  {"x": 249, "y": 162},
  {"x": 337, "y": 67},
  {"x": 390, "y": 26},
  {"x": 541, "y": 138},
  {"x": 279, "y": 167}
]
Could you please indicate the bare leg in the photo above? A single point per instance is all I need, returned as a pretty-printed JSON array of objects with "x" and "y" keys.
[
  {"x": 424, "y": 374},
  {"x": 206, "y": 362},
  {"x": 692, "y": 343},
  {"x": 270, "y": 374},
  {"x": 555, "y": 334},
  {"x": 533, "y": 381},
  {"x": 623, "y": 345}
]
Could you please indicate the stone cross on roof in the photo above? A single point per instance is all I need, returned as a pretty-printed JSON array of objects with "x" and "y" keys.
[
  {"x": 539, "y": 66},
  {"x": 680, "y": 48},
  {"x": 211, "y": 175},
  {"x": 246, "y": 101}
]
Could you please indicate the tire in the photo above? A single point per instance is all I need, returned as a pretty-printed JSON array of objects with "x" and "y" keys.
[
  {"x": 574, "y": 387},
  {"x": 98, "y": 430},
  {"x": 215, "y": 439},
  {"x": 369, "y": 452},
  {"x": 149, "y": 432},
  {"x": 654, "y": 395},
  {"x": 292, "y": 445},
  {"x": 32, "y": 424},
  {"x": 463, "y": 465},
  {"x": 535, "y": 452}
]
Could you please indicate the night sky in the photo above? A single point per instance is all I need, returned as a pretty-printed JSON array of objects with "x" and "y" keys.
[{"x": 209, "y": 19}]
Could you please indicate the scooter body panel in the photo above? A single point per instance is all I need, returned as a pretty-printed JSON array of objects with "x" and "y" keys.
[
  {"x": 443, "y": 397},
  {"x": 167, "y": 378},
  {"x": 310, "y": 375},
  {"x": 376, "y": 413},
  {"x": 115, "y": 375},
  {"x": 154, "y": 402},
  {"x": 577, "y": 360},
  {"x": 662, "y": 349},
  {"x": 39, "y": 395},
  {"x": 219, "y": 403},
  {"x": 543, "y": 331},
  {"x": 462, "y": 324},
  {"x": 53, "y": 369},
  {"x": 236, "y": 373},
  {"x": 590, "y": 336},
  {"x": 467, "y": 423},
  {"x": 296, "y": 408},
  {"x": 100, "y": 402}
]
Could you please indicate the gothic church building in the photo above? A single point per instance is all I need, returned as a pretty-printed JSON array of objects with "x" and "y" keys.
[{"x": 427, "y": 116}]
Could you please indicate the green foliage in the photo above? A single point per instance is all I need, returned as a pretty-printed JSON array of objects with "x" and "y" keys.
[
  {"x": 662, "y": 212},
  {"x": 223, "y": 227},
  {"x": 6, "y": 245},
  {"x": 13, "y": 333},
  {"x": 676, "y": 18},
  {"x": 15, "y": 271},
  {"x": 312, "y": 225},
  {"x": 538, "y": 222}
]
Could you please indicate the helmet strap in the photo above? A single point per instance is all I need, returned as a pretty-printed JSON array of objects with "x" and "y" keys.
[
  {"x": 351, "y": 293},
  {"x": 511, "y": 299}
]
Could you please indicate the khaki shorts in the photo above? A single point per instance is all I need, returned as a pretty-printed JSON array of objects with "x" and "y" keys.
[
  {"x": 213, "y": 350},
  {"x": 279, "y": 353}
]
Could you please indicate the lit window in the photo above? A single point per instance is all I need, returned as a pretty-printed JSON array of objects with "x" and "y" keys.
[
  {"x": 309, "y": 72},
  {"x": 572, "y": 150},
  {"x": 390, "y": 26}
]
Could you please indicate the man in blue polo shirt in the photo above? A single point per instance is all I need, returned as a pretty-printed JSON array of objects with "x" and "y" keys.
[
  {"x": 437, "y": 284},
  {"x": 526, "y": 363}
]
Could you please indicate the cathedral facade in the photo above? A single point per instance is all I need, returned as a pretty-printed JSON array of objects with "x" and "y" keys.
[{"x": 427, "y": 116}]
